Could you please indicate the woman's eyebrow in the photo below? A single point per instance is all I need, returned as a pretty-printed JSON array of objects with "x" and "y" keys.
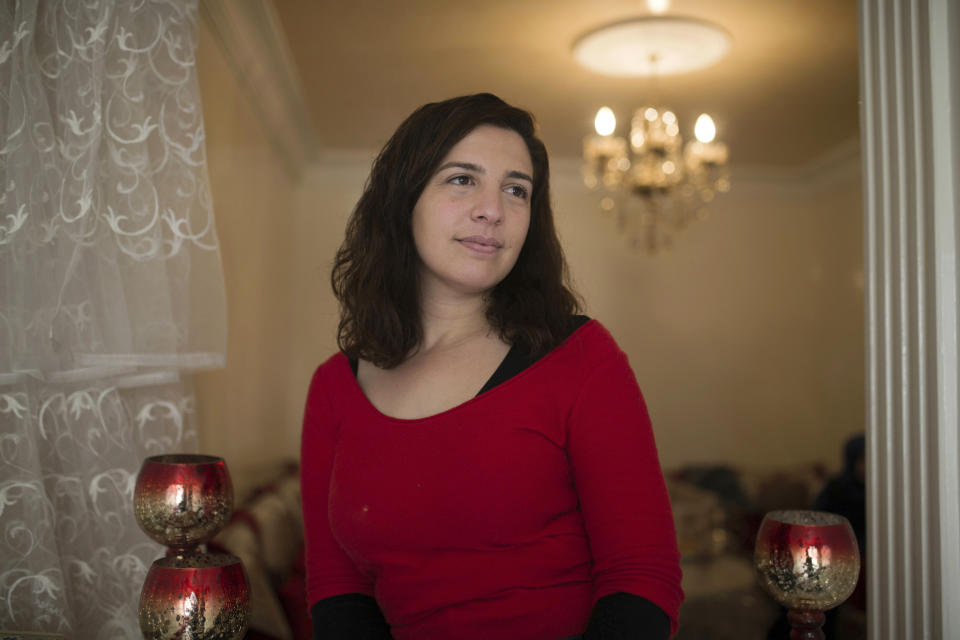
[
  {"x": 469, "y": 166},
  {"x": 520, "y": 175}
]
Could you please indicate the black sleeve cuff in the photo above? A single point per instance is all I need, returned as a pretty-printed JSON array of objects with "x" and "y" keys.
[
  {"x": 352, "y": 616},
  {"x": 618, "y": 616},
  {"x": 624, "y": 616}
]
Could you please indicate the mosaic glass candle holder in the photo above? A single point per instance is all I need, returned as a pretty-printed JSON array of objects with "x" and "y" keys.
[
  {"x": 182, "y": 501},
  {"x": 808, "y": 561}
]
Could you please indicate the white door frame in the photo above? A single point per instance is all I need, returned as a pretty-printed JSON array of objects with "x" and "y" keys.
[{"x": 910, "y": 125}]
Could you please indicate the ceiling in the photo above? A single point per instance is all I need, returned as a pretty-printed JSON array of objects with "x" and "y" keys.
[{"x": 786, "y": 94}]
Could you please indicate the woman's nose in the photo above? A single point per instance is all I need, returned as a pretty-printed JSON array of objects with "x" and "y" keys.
[{"x": 489, "y": 206}]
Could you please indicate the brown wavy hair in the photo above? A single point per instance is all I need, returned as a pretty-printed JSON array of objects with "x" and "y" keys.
[{"x": 376, "y": 271}]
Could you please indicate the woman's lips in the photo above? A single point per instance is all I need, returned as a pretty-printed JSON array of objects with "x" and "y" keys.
[{"x": 480, "y": 244}]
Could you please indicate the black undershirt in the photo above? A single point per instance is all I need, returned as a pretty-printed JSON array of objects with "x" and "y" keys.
[
  {"x": 513, "y": 363},
  {"x": 617, "y": 616}
]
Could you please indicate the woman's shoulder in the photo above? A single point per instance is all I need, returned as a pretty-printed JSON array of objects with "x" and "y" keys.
[
  {"x": 588, "y": 346},
  {"x": 590, "y": 337},
  {"x": 329, "y": 375}
]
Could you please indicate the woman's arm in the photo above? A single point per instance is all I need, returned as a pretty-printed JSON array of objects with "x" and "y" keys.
[
  {"x": 342, "y": 598},
  {"x": 624, "y": 502}
]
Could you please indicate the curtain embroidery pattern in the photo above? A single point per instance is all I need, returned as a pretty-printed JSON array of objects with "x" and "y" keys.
[{"x": 111, "y": 293}]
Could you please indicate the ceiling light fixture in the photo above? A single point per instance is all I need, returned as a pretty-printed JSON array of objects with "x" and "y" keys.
[
  {"x": 658, "y": 6},
  {"x": 669, "y": 182}
]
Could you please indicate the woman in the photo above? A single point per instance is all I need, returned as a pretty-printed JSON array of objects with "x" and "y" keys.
[{"x": 534, "y": 509}]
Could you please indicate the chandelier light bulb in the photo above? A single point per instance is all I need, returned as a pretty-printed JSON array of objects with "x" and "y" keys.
[
  {"x": 658, "y": 6},
  {"x": 705, "y": 130},
  {"x": 605, "y": 123}
]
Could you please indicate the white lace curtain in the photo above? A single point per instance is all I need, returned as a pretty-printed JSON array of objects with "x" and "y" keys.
[{"x": 111, "y": 292}]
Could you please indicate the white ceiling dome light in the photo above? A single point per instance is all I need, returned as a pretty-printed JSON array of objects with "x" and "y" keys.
[{"x": 652, "y": 45}]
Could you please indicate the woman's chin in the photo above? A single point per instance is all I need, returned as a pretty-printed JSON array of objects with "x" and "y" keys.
[{"x": 461, "y": 284}]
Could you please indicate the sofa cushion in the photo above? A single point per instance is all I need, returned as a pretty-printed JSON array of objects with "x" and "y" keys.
[
  {"x": 277, "y": 513},
  {"x": 266, "y": 613}
]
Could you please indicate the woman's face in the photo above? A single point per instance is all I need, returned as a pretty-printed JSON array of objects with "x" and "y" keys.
[{"x": 471, "y": 220}]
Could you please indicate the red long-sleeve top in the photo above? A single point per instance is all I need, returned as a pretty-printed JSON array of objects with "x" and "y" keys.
[{"x": 505, "y": 517}]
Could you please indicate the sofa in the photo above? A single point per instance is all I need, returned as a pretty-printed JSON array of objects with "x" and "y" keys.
[{"x": 266, "y": 533}]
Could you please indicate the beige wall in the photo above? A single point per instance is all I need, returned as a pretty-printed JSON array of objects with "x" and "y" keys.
[
  {"x": 244, "y": 413},
  {"x": 747, "y": 337}
]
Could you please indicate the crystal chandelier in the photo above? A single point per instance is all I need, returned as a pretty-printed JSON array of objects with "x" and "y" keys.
[{"x": 654, "y": 182}]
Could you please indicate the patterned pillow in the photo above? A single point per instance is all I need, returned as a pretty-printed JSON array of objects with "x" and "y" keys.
[{"x": 241, "y": 539}]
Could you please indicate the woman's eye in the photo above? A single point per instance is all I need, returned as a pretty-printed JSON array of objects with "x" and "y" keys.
[
  {"x": 461, "y": 180},
  {"x": 518, "y": 191}
]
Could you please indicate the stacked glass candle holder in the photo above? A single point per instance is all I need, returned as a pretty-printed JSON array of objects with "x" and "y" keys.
[{"x": 182, "y": 501}]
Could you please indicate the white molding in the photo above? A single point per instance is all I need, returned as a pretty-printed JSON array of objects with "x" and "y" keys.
[
  {"x": 253, "y": 42},
  {"x": 835, "y": 168},
  {"x": 839, "y": 166}
]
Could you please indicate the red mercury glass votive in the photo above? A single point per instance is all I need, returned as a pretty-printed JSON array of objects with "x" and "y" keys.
[
  {"x": 195, "y": 597},
  {"x": 183, "y": 500},
  {"x": 807, "y": 560}
]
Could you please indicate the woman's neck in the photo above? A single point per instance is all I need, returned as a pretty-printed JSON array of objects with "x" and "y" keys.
[{"x": 451, "y": 320}]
